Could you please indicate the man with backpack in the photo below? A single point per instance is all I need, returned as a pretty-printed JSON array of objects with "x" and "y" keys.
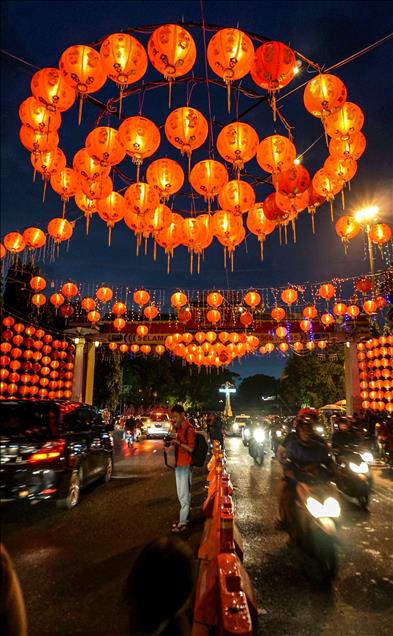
[{"x": 190, "y": 450}]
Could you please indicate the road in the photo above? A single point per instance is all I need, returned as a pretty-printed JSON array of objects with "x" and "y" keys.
[
  {"x": 72, "y": 565},
  {"x": 361, "y": 600}
]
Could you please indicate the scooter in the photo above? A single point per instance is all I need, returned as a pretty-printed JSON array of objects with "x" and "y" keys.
[
  {"x": 277, "y": 436},
  {"x": 354, "y": 477},
  {"x": 312, "y": 526},
  {"x": 256, "y": 446},
  {"x": 129, "y": 437}
]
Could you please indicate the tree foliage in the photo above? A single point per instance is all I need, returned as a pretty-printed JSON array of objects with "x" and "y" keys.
[
  {"x": 107, "y": 380},
  {"x": 314, "y": 380},
  {"x": 252, "y": 389}
]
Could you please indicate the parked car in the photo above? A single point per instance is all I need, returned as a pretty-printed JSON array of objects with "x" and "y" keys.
[
  {"x": 52, "y": 450},
  {"x": 238, "y": 424},
  {"x": 159, "y": 426}
]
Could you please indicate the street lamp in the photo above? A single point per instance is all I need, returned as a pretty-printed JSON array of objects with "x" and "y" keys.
[
  {"x": 367, "y": 216},
  {"x": 227, "y": 388}
]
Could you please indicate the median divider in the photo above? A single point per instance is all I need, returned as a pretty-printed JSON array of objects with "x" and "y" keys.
[{"x": 225, "y": 600}]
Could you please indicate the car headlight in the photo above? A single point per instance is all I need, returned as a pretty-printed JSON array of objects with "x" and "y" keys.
[
  {"x": 329, "y": 508},
  {"x": 247, "y": 433},
  {"x": 235, "y": 427},
  {"x": 278, "y": 434},
  {"x": 367, "y": 457},
  {"x": 359, "y": 469},
  {"x": 259, "y": 435}
]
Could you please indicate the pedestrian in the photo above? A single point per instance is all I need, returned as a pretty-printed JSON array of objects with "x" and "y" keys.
[
  {"x": 165, "y": 565},
  {"x": 12, "y": 607},
  {"x": 216, "y": 430},
  {"x": 184, "y": 445}
]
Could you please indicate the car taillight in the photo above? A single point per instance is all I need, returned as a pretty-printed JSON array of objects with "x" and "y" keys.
[{"x": 49, "y": 451}]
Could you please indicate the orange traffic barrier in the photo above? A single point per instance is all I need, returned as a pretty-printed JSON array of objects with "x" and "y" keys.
[{"x": 234, "y": 614}]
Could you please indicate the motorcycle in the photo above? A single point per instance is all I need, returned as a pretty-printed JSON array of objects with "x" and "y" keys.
[
  {"x": 256, "y": 446},
  {"x": 354, "y": 477},
  {"x": 312, "y": 526},
  {"x": 276, "y": 437},
  {"x": 129, "y": 437}
]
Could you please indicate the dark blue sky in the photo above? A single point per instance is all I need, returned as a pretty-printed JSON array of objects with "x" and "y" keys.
[{"x": 325, "y": 32}]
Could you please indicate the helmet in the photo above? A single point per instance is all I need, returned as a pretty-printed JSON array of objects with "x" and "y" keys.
[{"x": 308, "y": 411}]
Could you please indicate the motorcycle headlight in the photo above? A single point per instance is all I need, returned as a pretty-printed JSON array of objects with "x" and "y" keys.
[
  {"x": 259, "y": 435},
  {"x": 235, "y": 427},
  {"x": 247, "y": 433},
  {"x": 330, "y": 507},
  {"x": 367, "y": 457},
  {"x": 319, "y": 429},
  {"x": 359, "y": 469},
  {"x": 278, "y": 434}
]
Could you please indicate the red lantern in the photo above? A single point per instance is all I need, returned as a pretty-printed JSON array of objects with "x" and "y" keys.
[
  {"x": 246, "y": 318},
  {"x": 289, "y": 296},
  {"x": 278, "y": 313},
  {"x": 327, "y": 291}
]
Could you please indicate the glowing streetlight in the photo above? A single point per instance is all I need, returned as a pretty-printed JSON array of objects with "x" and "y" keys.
[
  {"x": 365, "y": 217},
  {"x": 227, "y": 388}
]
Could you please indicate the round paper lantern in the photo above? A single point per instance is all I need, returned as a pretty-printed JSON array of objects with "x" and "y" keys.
[
  {"x": 213, "y": 316},
  {"x": 327, "y": 291},
  {"x": 271, "y": 209},
  {"x": 289, "y": 296},
  {"x": 275, "y": 154},
  {"x": 351, "y": 148},
  {"x": 322, "y": 344},
  {"x": 293, "y": 181},
  {"x": 166, "y": 176},
  {"x": 353, "y": 311},
  {"x": 171, "y": 51},
  {"x": 269, "y": 347},
  {"x": 186, "y": 129},
  {"x": 112, "y": 346},
  {"x": 119, "y": 323},
  {"x": 56, "y": 300},
  {"x": 380, "y": 233},
  {"x": 14, "y": 242},
  {"x": 140, "y": 137},
  {"x": 82, "y": 69},
  {"x": 273, "y": 66},
  {"x": 141, "y": 297},
  {"x": 310, "y": 345},
  {"x": 37, "y": 141},
  {"x": 119, "y": 308},
  {"x": 171, "y": 236},
  {"x": 184, "y": 315},
  {"x": 237, "y": 144},
  {"x": 363, "y": 285},
  {"x": 246, "y": 318},
  {"x": 305, "y": 325},
  {"x": 214, "y": 299},
  {"x": 310, "y": 312},
  {"x": 34, "y": 114},
  {"x": 34, "y": 238},
  {"x": 345, "y": 122},
  {"x": 111, "y": 210},
  {"x": 49, "y": 87},
  {"x": 259, "y": 224},
  {"x": 370, "y": 307},
  {"x": 347, "y": 228},
  {"x": 66, "y": 311},
  {"x": 281, "y": 332},
  {"x": 324, "y": 94},
  {"x": 158, "y": 219},
  {"x": 142, "y": 198},
  {"x": 65, "y": 183},
  {"x": 252, "y": 299},
  {"x": 283, "y": 346},
  {"x": 88, "y": 168},
  {"x": 3, "y": 251},
  {"x": 104, "y": 294},
  {"x": 48, "y": 163},
  {"x": 145, "y": 349},
  {"x": 297, "y": 346},
  {"x": 327, "y": 319},
  {"x": 60, "y": 230},
  {"x": 150, "y": 312},
  {"x": 343, "y": 169},
  {"x": 159, "y": 349},
  {"x": 37, "y": 283},
  {"x": 326, "y": 185},
  {"x": 230, "y": 54},
  {"x": 178, "y": 300},
  {"x": 236, "y": 196},
  {"x": 93, "y": 316},
  {"x": 123, "y": 58},
  {"x": 278, "y": 313},
  {"x": 39, "y": 300},
  {"x": 340, "y": 309},
  {"x": 207, "y": 178},
  {"x": 104, "y": 144},
  {"x": 70, "y": 290},
  {"x": 88, "y": 304}
]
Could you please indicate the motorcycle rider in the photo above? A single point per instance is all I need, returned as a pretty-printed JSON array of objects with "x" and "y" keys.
[
  {"x": 304, "y": 456},
  {"x": 344, "y": 436}
]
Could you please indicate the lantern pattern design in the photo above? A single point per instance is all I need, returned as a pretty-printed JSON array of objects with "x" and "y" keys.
[
  {"x": 237, "y": 143},
  {"x": 236, "y": 196},
  {"x": 140, "y": 138}
]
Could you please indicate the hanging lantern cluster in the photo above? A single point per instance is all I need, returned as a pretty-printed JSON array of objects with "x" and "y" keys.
[
  {"x": 375, "y": 361},
  {"x": 34, "y": 363},
  {"x": 171, "y": 51}
]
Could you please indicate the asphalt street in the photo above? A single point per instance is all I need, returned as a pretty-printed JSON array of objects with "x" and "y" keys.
[{"x": 72, "y": 565}]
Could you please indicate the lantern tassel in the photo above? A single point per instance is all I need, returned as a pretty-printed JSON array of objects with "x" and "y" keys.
[
  {"x": 343, "y": 198},
  {"x": 145, "y": 245},
  {"x": 232, "y": 252},
  {"x": 155, "y": 251},
  {"x": 87, "y": 223},
  {"x": 44, "y": 191},
  {"x": 64, "y": 207},
  {"x": 349, "y": 186},
  {"x": 274, "y": 106},
  {"x": 109, "y": 235},
  {"x": 331, "y": 211},
  {"x": 168, "y": 266},
  {"x": 120, "y": 101},
  {"x": 261, "y": 249},
  {"x": 169, "y": 93},
  {"x": 138, "y": 167},
  {"x": 294, "y": 230},
  {"x": 80, "y": 111},
  {"x": 191, "y": 262},
  {"x": 286, "y": 234},
  {"x": 199, "y": 264},
  {"x": 225, "y": 257},
  {"x": 313, "y": 222},
  {"x": 229, "y": 96},
  {"x": 280, "y": 233},
  {"x": 34, "y": 174}
]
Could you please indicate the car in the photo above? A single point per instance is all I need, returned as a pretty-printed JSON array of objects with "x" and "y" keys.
[
  {"x": 239, "y": 422},
  {"x": 52, "y": 450},
  {"x": 143, "y": 422},
  {"x": 160, "y": 425}
]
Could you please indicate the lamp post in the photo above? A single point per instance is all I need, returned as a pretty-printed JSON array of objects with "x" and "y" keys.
[
  {"x": 365, "y": 217},
  {"x": 227, "y": 388}
]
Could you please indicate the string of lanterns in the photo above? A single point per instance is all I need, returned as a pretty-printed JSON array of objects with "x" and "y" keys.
[
  {"x": 375, "y": 360},
  {"x": 145, "y": 206}
]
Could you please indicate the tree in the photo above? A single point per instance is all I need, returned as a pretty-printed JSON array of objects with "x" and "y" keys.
[
  {"x": 252, "y": 389},
  {"x": 107, "y": 379},
  {"x": 314, "y": 380}
]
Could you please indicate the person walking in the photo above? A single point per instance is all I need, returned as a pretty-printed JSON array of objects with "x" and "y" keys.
[
  {"x": 216, "y": 430},
  {"x": 184, "y": 445}
]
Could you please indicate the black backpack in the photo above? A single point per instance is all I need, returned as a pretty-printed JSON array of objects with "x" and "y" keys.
[{"x": 199, "y": 453}]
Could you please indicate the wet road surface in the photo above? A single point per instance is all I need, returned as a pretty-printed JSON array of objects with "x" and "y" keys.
[
  {"x": 361, "y": 599},
  {"x": 73, "y": 564}
]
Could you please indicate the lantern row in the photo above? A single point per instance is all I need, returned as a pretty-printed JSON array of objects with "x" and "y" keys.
[
  {"x": 231, "y": 55},
  {"x": 375, "y": 360},
  {"x": 33, "y": 363}
]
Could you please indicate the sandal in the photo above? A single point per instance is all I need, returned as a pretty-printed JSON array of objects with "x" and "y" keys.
[{"x": 180, "y": 527}]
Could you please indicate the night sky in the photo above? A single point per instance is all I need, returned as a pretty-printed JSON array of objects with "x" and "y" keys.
[{"x": 325, "y": 32}]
